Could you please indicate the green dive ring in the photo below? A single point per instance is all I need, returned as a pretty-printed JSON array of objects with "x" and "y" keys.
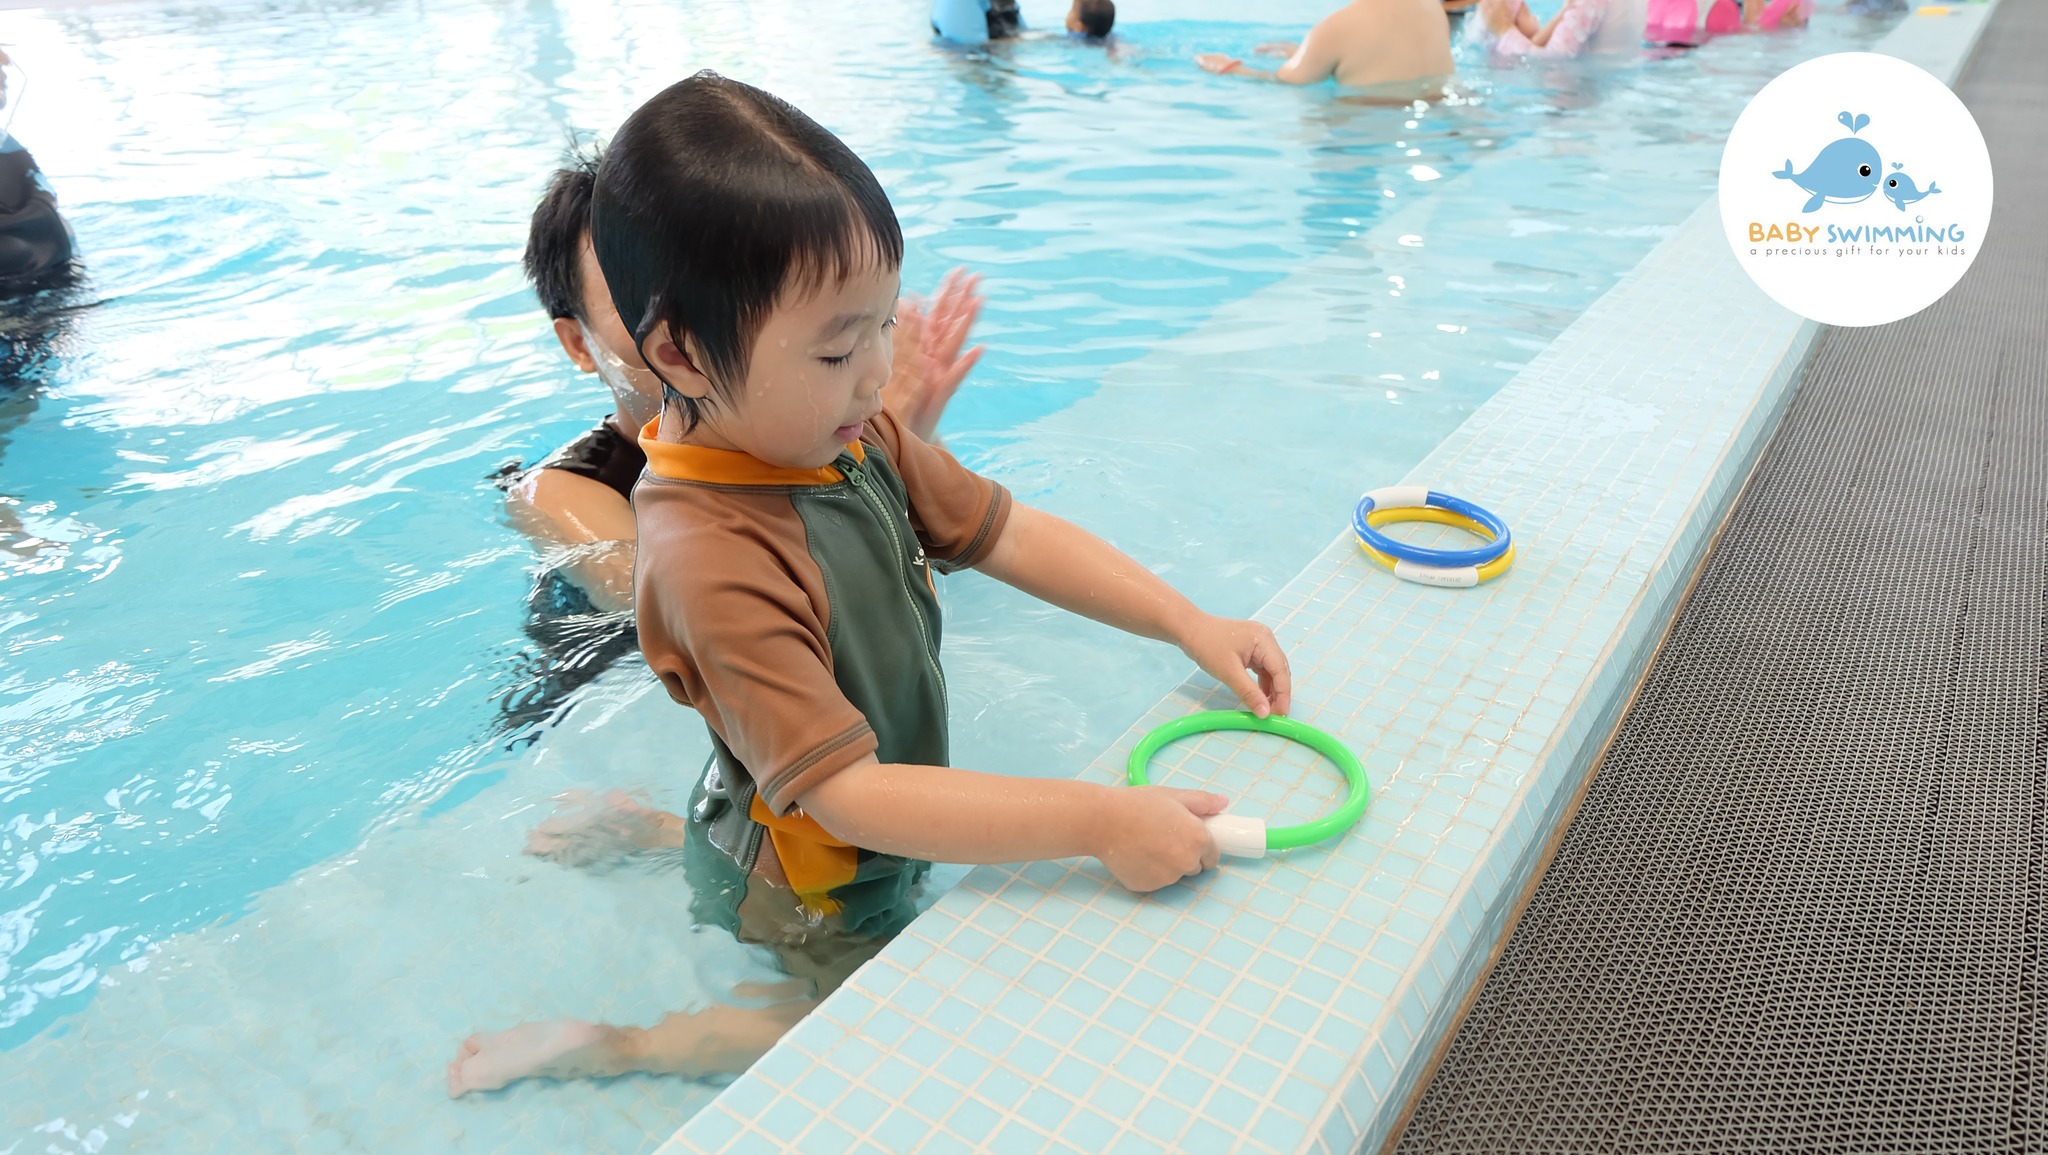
[{"x": 1248, "y": 837}]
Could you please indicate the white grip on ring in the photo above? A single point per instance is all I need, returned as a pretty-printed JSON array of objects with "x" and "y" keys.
[
  {"x": 1450, "y": 577},
  {"x": 1399, "y": 496},
  {"x": 1237, "y": 836}
]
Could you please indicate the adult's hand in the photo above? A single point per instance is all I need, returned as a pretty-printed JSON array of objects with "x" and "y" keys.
[{"x": 929, "y": 362}]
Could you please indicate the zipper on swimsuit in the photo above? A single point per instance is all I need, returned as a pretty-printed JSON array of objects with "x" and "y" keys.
[{"x": 855, "y": 474}]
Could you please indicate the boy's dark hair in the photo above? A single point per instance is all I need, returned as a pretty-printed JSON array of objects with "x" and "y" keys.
[
  {"x": 554, "y": 239},
  {"x": 1097, "y": 17},
  {"x": 716, "y": 198}
]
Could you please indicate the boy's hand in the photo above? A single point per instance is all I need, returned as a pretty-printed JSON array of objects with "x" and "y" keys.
[
  {"x": 1155, "y": 837},
  {"x": 1225, "y": 649}
]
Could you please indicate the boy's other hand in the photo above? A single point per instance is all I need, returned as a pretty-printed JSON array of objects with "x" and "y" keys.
[
  {"x": 1226, "y": 649},
  {"x": 1155, "y": 837}
]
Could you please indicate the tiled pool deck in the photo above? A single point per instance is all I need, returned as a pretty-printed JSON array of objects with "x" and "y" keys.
[{"x": 1291, "y": 1003}]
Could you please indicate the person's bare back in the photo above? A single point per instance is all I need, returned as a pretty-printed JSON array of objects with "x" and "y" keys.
[{"x": 1374, "y": 44}]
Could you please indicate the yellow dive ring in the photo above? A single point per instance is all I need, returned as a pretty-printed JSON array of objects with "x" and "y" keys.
[{"x": 1431, "y": 575}]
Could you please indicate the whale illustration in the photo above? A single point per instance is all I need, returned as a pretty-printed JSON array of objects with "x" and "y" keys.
[
  {"x": 1845, "y": 172},
  {"x": 1901, "y": 191}
]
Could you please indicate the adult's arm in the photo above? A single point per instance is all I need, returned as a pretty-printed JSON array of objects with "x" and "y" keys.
[
  {"x": 1314, "y": 61},
  {"x": 585, "y": 526}
]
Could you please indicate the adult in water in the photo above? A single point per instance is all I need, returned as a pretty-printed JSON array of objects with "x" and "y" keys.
[
  {"x": 35, "y": 241},
  {"x": 38, "y": 271},
  {"x": 1397, "y": 48},
  {"x": 577, "y": 501}
]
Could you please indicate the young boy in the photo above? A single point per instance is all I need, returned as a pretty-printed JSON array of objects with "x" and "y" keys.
[
  {"x": 577, "y": 500},
  {"x": 788, "y": 526}
]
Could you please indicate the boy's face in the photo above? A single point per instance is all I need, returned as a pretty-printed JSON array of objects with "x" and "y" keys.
[{"x": 816, "y": 373}]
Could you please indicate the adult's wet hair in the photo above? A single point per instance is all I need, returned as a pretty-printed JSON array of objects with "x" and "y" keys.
[
  {"x": 36, "y": 251},
  {"x": 554, "y": 238},
  {"x": 1097, "y": 17},
  {"x": 714, "y": 200}
]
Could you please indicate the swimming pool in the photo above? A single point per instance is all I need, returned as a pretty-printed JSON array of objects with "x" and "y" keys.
[{"x": 268, "y": 679}]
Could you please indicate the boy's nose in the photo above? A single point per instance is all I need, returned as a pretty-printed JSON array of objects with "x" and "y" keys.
[{"x": 875, "y": 369}]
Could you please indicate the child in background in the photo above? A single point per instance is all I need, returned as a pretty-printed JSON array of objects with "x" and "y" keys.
[
  {"x": 1773, "y": 14},
  {"x": 788, "y": 525},
  {"x": 1091, "y": 18},
  {"x": 1508, "y": 31}
]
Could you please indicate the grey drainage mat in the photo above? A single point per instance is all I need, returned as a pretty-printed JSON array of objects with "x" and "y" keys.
[{"x": 1801, "y": 908}]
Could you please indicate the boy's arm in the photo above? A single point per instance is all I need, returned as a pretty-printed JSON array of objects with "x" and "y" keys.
[
  {"x": 1059, "y": 562},
  {"x": 1148, "y": 837},
  {"x": 591, "y": 522}
]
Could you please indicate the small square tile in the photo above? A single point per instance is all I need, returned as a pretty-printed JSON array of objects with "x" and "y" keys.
[
  {"x": 1274, "y": 1043},
  {"x": 1229, "y": 1107},
  {"x": 900, "y": 1130},
  {"x": 1161, "y": 1119},
  {"x": 1278, "y": 1130},
  {"x": 747, "y": 1099},
  {"x": 1016, "y": 1138},
  {"x": 711, "y": 1128},
  {"x": 1045, "y": 1107},
  {"x": 933, "y": 1099},
  {"x": 992, "y": 1037},
  {"x": 1166, "y": 1035},
  {"x": 892, "y": 1078},
  {"x": 825, "y": 1135},
  {"x": 1002, "y": 1087},
  {"x": 972, "y": 1120},
  {"x": 1132, "y": 1143},
  {"x": 1088, "y": 1131},
  {"x": 859, "y": 1110},
  {"x": 1141, "y": 1066},
  {"x": 1253, "y": 1075},
  {"x": 1114, "y": 1097},
  {"x": 821, "y": 1086}
]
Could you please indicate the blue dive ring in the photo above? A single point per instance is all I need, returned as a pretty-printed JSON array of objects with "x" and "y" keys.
[{"x": 1399, "y": 496}]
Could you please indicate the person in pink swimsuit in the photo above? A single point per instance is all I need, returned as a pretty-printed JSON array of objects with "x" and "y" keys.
[{"x": 1510, "y": 32}]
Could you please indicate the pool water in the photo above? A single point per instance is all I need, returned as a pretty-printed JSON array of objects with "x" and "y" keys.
[{"x": 274, "y": 708}]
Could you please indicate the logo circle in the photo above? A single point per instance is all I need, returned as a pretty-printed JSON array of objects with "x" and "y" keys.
[{"x": 1855, "y": 189}]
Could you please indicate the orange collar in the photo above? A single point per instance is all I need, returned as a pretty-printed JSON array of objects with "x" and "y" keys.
[{"x": 729, "y": 466}]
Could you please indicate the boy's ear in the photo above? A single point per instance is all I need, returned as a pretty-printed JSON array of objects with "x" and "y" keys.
[
  {"x": 569, "y": 331},
  {"x": 675, "y": 362}
]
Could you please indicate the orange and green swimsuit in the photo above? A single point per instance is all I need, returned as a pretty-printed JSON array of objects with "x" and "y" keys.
[{"x": 795, "y": 610}]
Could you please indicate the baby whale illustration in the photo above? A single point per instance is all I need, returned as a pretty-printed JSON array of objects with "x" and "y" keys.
[
  {"x": 1845, "y": 172},
  {"x": 1901, "y": 191}
]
